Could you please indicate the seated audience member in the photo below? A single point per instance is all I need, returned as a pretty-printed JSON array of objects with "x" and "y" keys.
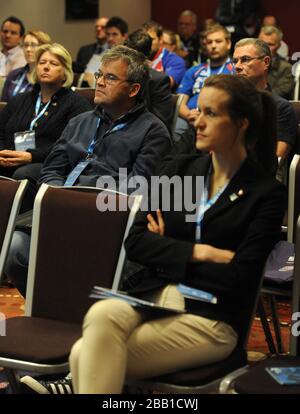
[
  {"x": 18, "y": 81},
  {"x": 217, "y": 47},
  {"x": 11, "y": 55},
  {"x": 162, "y": 59},
  {"x": 119, "y": 133},
  {"x": 89, "y": 54},
  {"x": 32, "y": 122},
  {"x": 280, "y": 76},
  {"x": 222, "y": 251},
  {"x": 252, "y": 59},
  {"x": 116, "y": 31},
  {"x": 187, "y": 30},
  {"x": 158, "y": 95},
  {"x": 283, "y": 50},
  {"x": 171, "y": 41}
]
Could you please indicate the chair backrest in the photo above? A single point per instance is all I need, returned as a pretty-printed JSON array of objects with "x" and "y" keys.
[
  {"x": 176, "y": 100},
  {"x": 293, "y": 197},
  {"x": 88, "y": 93},
  {"x": 11, "y": 195},
  {"x": 74, "y": 246},
  {"x": 2, "y": 105},
  {"x": 296, "y": 106}
]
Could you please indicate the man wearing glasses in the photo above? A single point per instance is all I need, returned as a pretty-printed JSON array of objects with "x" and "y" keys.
[
  {"x": 252, "y": 59},
  {"x": 119, "y": 133}
]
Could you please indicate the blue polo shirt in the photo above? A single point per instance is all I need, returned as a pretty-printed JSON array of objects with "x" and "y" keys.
[{"x": 194, "y": 78}]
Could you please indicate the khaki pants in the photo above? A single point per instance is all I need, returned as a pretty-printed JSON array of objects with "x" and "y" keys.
[{"x": 118, "y": 343}]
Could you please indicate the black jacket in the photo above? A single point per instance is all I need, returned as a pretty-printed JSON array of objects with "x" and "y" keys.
[
  {"x": 245, "y": 219},
  {"x": 19, "y": 112}
]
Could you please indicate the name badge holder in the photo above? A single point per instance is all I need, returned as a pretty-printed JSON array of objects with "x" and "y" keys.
[{"x": 25, "y": 140}]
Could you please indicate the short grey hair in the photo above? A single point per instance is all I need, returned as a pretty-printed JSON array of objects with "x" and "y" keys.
[
  {"x": 269, "y": 30},
  {"x": 137, "y": 71},
  {"x": 261, "y": 46}
]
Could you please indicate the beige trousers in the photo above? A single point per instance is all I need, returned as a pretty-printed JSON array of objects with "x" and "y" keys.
[{"x": 118, "y": 342}]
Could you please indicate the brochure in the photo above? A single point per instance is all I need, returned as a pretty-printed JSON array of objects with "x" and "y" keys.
[
  {"x": 104, "y": 293},
  {"x": 196, "y": 294},
  {"x": 285, "y": 375}
]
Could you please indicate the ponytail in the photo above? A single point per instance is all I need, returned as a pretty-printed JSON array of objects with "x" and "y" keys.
[{"x": 266, "y": 143}]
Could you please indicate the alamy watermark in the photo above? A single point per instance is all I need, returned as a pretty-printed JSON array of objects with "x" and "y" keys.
[
  {"x": 165, "y": 193},
  {"x": 296, "y": 324},
  {"x": 2, "y": 324}
]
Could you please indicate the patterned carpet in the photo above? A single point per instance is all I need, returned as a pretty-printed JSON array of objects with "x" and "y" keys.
[{"x": 12, "y": 304}]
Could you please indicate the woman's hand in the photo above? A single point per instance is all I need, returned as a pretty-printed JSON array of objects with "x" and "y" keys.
[
  {"x": 156, "y": 227},
  {"x": 11, "y": 158},
  {"x": 207, "y": 253}
]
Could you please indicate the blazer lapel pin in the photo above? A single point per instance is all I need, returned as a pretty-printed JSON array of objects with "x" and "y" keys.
[{"x": 235, "y": 196}]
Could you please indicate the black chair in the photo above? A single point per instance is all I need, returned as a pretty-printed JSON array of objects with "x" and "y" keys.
[
  {"x": 256, "y": 380},
  {"x": 74, "y": 246},
  {"x": 272, "y": 290},
  {"x": 11, "y": 196}
]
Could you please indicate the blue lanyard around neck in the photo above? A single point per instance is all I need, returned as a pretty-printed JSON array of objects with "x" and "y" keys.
[
  {"x": 38, "y": 113},
  {"x": 91, "y": 148},
  {"x": 205, "y": 204},
  {"x": 18, "y": 86},
  {"x": 219, "y": 71}
]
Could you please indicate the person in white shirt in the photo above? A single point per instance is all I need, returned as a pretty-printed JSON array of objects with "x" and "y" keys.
[{"x": 12, "y": 54}]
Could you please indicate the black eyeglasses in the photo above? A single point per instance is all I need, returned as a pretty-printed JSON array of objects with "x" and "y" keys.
[
  {"x": 245, "y": 59},
  {"x": 109, "y": 78}
]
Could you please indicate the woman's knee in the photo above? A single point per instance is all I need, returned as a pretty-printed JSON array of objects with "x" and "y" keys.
[
  {"x": 111, "y": 317},
  {"x": 75, "y": 353}
]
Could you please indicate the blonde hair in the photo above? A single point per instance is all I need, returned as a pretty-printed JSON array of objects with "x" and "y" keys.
[
  {"x": 40, "y": 36},
  {"x": 62, "y": 55}
]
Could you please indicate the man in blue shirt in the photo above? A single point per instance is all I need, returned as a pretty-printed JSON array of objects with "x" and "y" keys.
[{"x": 218, "y": 47}]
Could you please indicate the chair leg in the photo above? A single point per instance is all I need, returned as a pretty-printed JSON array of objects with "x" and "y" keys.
[
  {"x": 276, "y": 325},
  {"x": 266, "y": 327},
  {"x": 13, "y": 380}
]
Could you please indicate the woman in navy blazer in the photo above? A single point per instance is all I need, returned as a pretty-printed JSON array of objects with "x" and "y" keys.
[{"x": 222, "y": 250}]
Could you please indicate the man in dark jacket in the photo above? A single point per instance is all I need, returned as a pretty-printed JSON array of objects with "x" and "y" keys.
[
  {"x": 120, "y": 133},
  {"x": 86, "y": 53}
]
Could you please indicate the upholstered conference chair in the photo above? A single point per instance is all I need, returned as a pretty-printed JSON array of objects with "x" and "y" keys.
[{"x": 74, "y": 246}]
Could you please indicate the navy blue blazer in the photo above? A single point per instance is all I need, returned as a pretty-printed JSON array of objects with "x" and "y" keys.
[{"x": 245, "y": 219}]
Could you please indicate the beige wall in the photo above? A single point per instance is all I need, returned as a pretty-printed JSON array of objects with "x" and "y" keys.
[{"x": 49, "y": 16}]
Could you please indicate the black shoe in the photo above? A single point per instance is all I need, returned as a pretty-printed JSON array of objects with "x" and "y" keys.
[{"x": 61, "y": 386}]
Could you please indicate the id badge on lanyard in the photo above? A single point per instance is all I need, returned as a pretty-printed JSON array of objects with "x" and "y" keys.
[{"x": 24, "y": 140}]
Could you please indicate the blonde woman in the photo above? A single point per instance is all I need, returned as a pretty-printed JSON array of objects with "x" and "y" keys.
[{"x": 31, "y": 122}]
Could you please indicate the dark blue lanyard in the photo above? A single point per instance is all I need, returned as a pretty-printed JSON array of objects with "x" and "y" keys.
[{"x": 91, "y": 148}]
